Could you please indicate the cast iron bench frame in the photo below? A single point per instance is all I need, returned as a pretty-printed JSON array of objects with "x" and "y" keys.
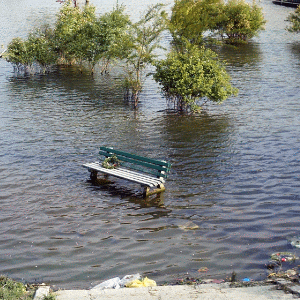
[{"x": 151, "y": 172}]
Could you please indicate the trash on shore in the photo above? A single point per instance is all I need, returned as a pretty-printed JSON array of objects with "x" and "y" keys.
[
  {"x": 113, "y": 283},
  {"x": 278, "y": 260},
  {"x": 129, "y": 281},
  {"x": 291, "y": 274},
  {"x": 246, "y": 279},
  {"x": 141, "y": 283}
]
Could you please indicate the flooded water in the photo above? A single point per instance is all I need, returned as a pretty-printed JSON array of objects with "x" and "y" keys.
[{"x": 232, "y": 194}]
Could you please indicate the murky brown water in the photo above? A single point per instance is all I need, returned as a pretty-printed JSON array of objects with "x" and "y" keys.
[{"x": 232, "y": 195}]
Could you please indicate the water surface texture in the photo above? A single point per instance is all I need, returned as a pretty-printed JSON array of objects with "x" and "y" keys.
[{"x": 232, "y": 195}]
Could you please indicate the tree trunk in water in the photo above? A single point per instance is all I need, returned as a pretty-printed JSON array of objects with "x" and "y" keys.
[{"x": 135, "y": 97}]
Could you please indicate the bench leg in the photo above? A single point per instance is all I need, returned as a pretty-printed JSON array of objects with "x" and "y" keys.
[
  {"x": 161, "y": 188},
  {"x": 146, "y": 191},
  {"x": 93, "y": 175}
]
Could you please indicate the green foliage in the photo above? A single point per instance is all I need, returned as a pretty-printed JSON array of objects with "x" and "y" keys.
[
  {"x": 192, "y": 19},
  {"x": 78, "y": 35},
  {"x": 12, "y": 290},
  {"x": 37, "y": 48},
  {"x": 294, "y": 19},
  {"x": 197, "y": 21},
  {"x": 42, "y": 47},
  {"x": 117, "y": 24},
  {"x": 19, "y": 53},
  {"x": 50, "y": 297},
  {"x": 241, "y": 21},
  {"x": 187, "y": 75},
  {"x": 193, "y": 75},
  {"x": 139, "y": 45}
]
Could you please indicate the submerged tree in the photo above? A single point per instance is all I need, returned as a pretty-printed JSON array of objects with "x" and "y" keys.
[
  {"x": 42, "y": 47},
  {"x": 294, "y": 19},
  {"x": 196, "y": 20},
  {"x": 78, "y": 36},
  {"x": 241, "y": 21},
  {"x": 37, "y": 50},
  {"x": 19, "y": 53},
  {"x": 139, "y": 45},
  {"x": 117, "y": 23},
  {"x": 192, "y": 20},
  {"x": 192, "y": 76}
]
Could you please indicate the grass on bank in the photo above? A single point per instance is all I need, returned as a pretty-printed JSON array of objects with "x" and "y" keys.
[{"x": 13, "y": 290}]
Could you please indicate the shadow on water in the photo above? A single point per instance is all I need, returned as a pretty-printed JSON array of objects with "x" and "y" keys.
[
  {"x": 241, "y": 55},
  {"x": 128, "y": 193},
  {"x": 295, "y": 49},
  {"x": 199, "y": 149},
  {"x": 69, "y": 80}
]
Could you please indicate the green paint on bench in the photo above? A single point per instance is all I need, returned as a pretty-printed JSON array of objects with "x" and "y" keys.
[
  {"x": 129, "y": 161},
  {"x": 161, "y": 168}
]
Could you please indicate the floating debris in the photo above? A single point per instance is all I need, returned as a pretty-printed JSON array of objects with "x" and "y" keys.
[
  {"x": 203, "y": 269},
  {"x": 273, "y": 264},
  {"x": 284, "y": 257},
  {"x": 188, "y": 226},
  {"x": 294, "y": 241}
]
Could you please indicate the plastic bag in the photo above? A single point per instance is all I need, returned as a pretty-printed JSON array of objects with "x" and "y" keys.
[
  {"x": 116, "y": 283},
  {"x": 138, "y": 283},
  {"x": 128, "y": 279},
  {"x": 113, "y": 283}
]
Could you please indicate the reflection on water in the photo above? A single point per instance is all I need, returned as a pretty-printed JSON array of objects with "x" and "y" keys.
[
  {"x": 242, "y": 56},
  {"x": 295, "y": 50},
  {"x": 232, "y": 194},
  {"x": 199, "y": 147}
]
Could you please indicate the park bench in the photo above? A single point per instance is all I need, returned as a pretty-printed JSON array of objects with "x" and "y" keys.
[{"x": 149, "y": 173}]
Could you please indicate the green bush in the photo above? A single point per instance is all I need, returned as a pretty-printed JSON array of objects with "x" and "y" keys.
[
  {"x": 192, "y": 76},
  {"x": 198, "y": 21},
  {"x": 241, "y": 21},
  {"x": 294, "y": 19},
  {"x": 19, "y": 53}
]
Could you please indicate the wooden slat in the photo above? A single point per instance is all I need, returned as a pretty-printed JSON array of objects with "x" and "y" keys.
[
  {"x": 148, "y": 171},
  {"x": 126, "y": 174}
]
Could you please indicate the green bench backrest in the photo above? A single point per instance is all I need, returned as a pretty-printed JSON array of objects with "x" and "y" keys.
[{"x": 155, "y": 167}]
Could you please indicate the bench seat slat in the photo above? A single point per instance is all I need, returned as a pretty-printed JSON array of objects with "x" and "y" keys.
[
  {"x": 141, "y": 175},
  {"x": 123, "y": 175},
  {"x": 126, "y": 174}
]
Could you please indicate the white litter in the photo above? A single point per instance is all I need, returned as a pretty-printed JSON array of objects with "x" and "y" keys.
[{"x": 116, "y": 283}]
